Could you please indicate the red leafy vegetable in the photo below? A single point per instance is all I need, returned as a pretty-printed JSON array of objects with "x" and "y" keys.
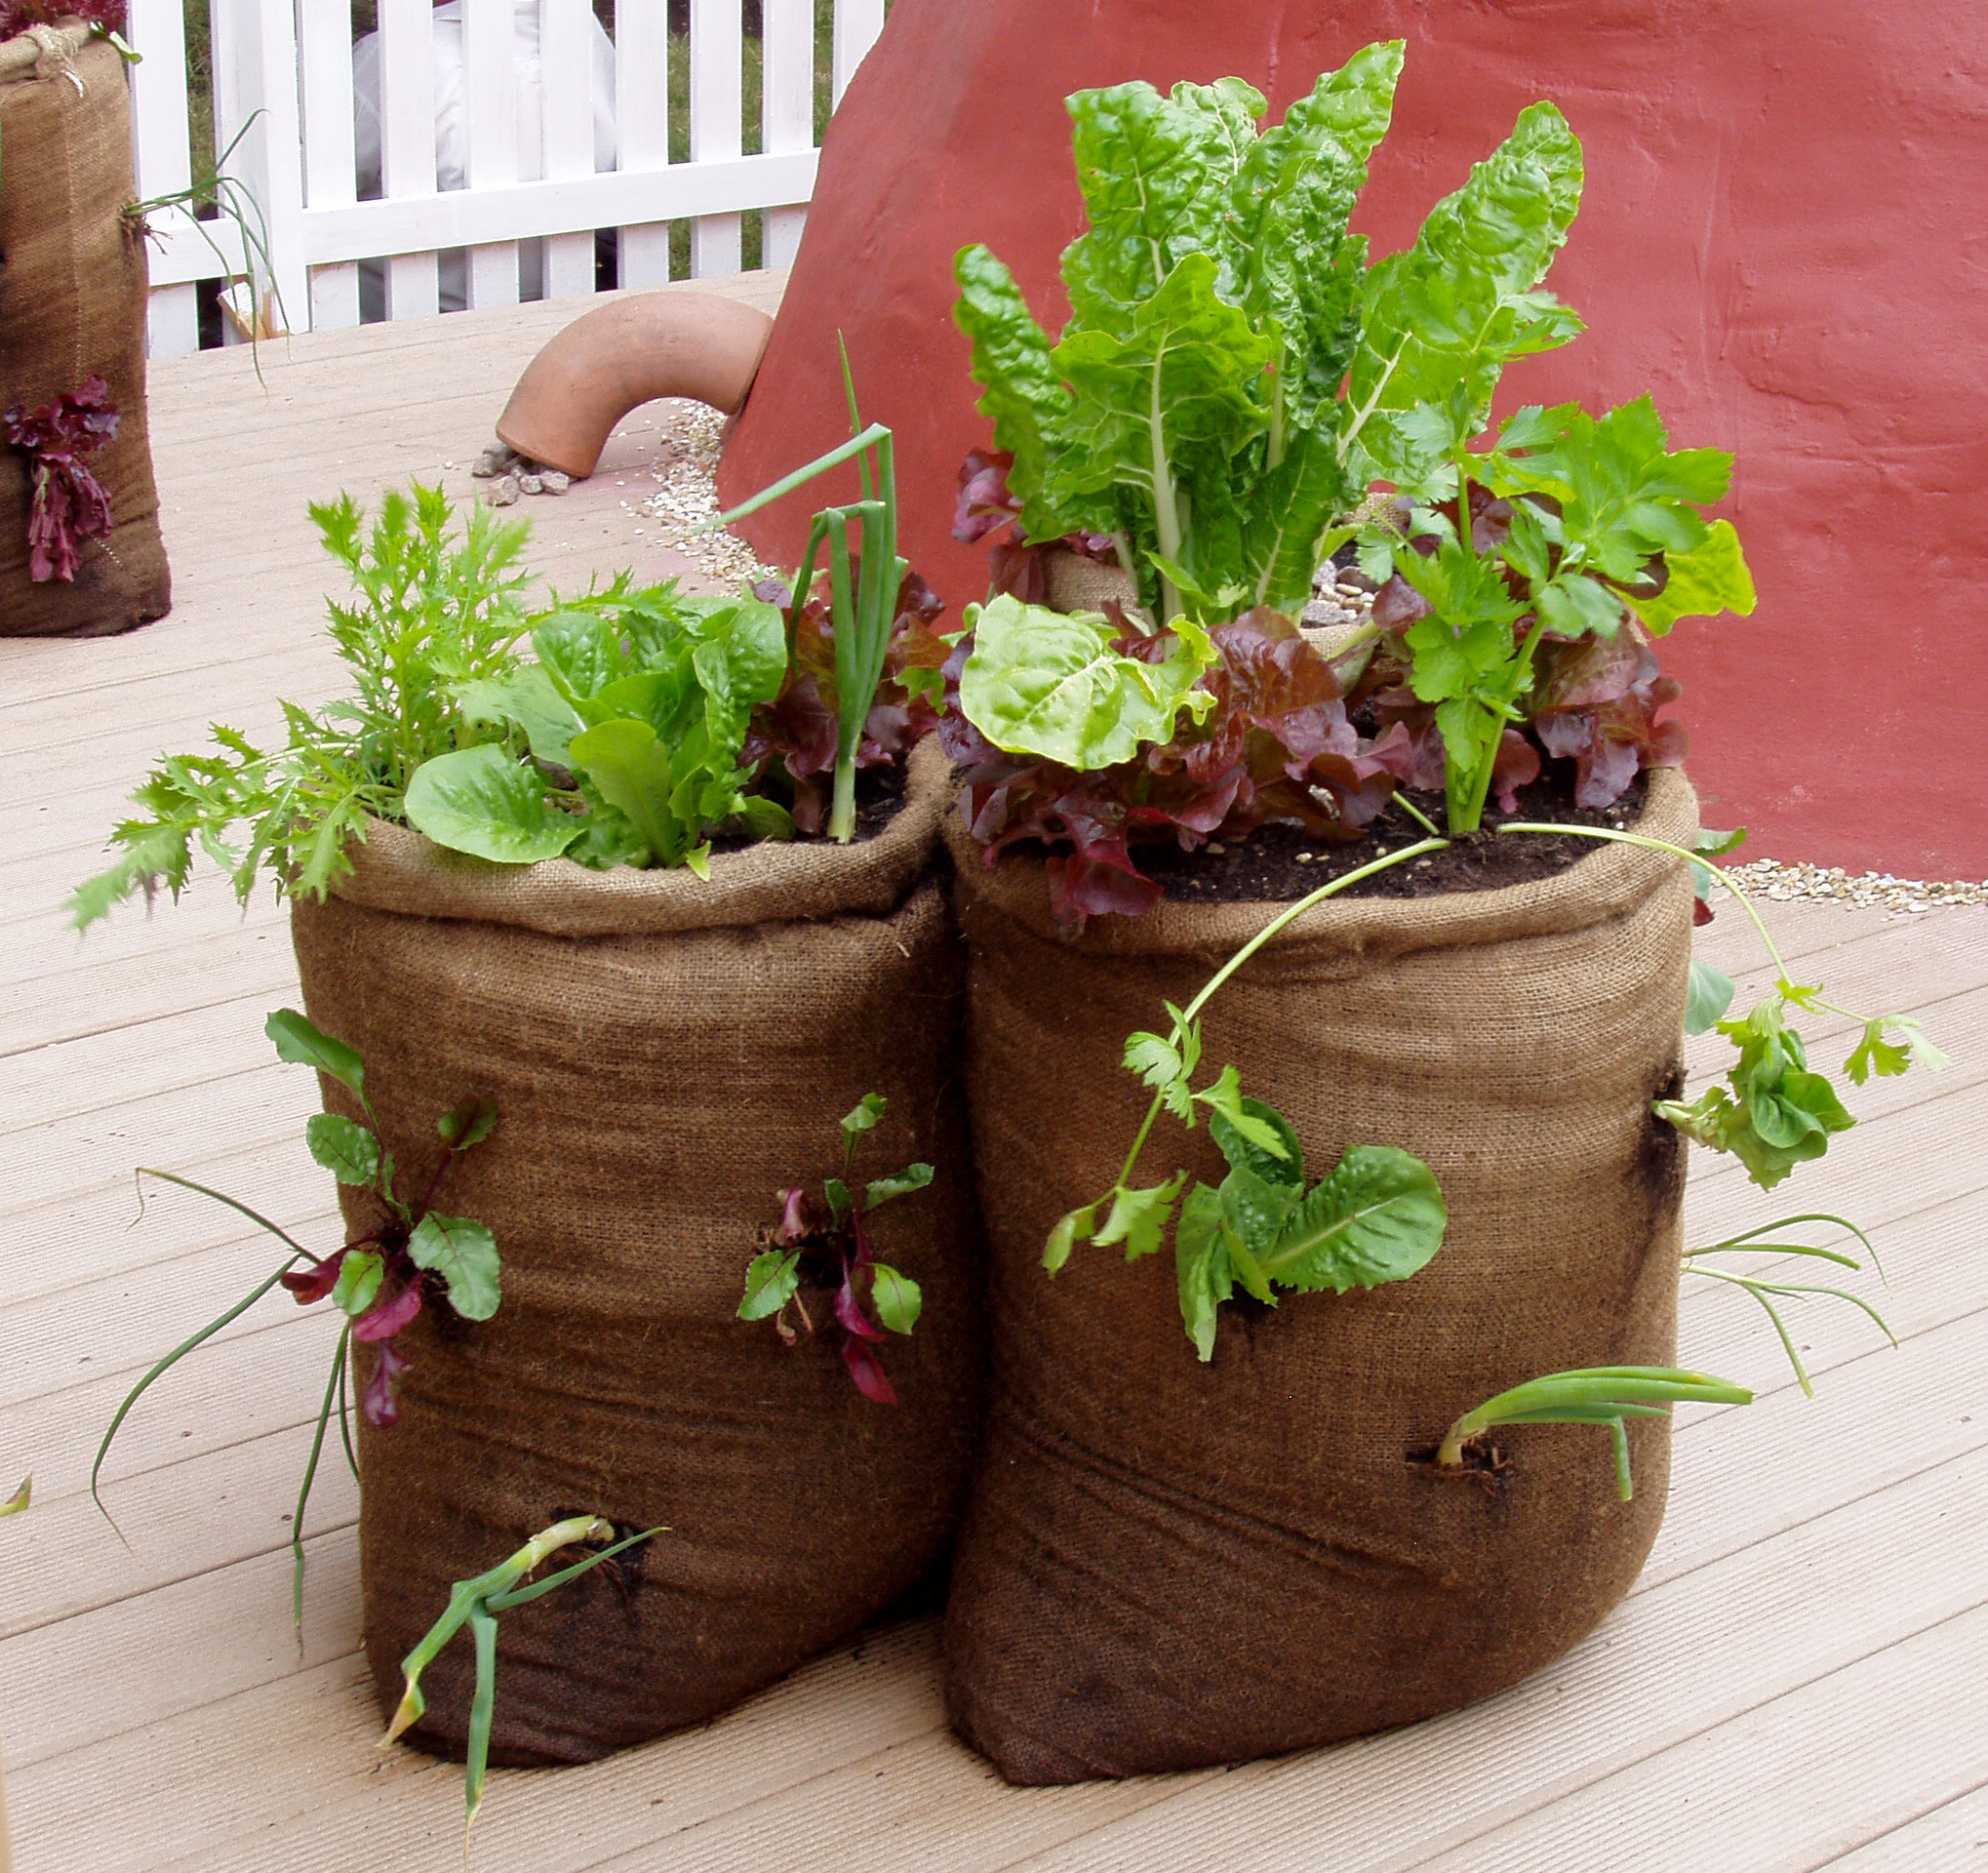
[{"x": 70, "y": 504}]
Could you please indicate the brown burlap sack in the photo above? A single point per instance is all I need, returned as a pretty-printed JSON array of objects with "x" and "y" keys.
[
  {"x": 72, "y": 306},
  {"x": 666, "y": 1053},
  {"x": 1165, "y": 1564}
]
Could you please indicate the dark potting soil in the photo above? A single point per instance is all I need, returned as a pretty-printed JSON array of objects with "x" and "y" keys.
[
  {"x": 1278, "y": 863},
  {"x": 878, "y": 795}
]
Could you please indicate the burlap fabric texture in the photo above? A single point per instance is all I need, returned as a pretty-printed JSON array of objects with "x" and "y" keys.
[
  {"x": 72, "y": 306},
  {"x": 666, "y": 1053},
  {"x": 1168, "y": 1565}
]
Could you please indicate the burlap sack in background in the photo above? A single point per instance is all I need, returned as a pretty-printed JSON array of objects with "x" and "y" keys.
[
  {"x": 72, "y": 306},
  {"x": 666, "y": 1053},
  {"x": 1165, "y": 1564}
]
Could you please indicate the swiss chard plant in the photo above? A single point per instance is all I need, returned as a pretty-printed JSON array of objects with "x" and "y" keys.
[
  {"x": 822, "y": 1248},
  {"x": 410, "y": 1256},
  {"x": 1234, "y": 380},
  {"x": 1232, "y": 373}
]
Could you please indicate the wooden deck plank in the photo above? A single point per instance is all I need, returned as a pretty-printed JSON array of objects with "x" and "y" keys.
[
  {"x": 1950, "y": 1837},
  {"x": 1868, "y": 1745},
  {"x": 1677, "y": 1656}
]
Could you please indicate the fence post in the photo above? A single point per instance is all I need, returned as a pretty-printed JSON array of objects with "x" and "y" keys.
[
  {"x": 160, "y": 134},
  {"x": 254, "y": 101},
  {"x": 717, "y": 104}
]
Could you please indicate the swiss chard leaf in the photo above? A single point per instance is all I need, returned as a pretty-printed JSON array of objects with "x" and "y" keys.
[
  {"x": 303, "y": 1045},
  {"x": 882, "y": 1191},
  {"x": 1439, "y": 321},
  {"x": 357, "y": 1288},
  {"x": 345, "y": 1148},
  {"x": 771, "y": 1282},
  {"x": 469, "y": 1124},
  {"x": 895, "y": 1297}
]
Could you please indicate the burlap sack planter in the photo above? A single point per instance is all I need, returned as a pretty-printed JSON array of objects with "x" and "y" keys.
[
  {"x": 666, "y": 1053},
  {"x": 72, "y": 308},
  {"x": 1167, "y": 1564}
]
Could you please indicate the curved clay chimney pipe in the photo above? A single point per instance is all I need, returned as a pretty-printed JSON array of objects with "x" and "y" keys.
[{"x": 624, "y": 353}]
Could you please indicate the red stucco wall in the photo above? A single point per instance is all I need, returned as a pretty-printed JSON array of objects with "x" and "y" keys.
[{"x": 1784, "y": 238}]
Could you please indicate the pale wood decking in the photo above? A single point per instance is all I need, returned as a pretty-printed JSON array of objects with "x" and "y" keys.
[{"x": 1801, "y": 1679}]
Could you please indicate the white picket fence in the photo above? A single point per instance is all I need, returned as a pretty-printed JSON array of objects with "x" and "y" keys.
[{"x": 284, "y": 85}]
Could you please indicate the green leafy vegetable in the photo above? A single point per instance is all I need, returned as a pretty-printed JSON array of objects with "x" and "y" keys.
[
  {"x": 435, "y": 608},
  {"x": 481, "y": 801},
  {"x": 1377, "y": 1217},
  {"x": 380, "y": 1281},
  {"x": 1040, "y": 683}
]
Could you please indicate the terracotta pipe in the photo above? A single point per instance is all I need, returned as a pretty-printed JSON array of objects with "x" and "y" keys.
[{"x": 624, "y": 353}]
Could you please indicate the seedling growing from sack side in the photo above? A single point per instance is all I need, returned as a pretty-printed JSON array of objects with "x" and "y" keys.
[
  {"x": 476, "y": 1603},
  {"x": 380, "y": 1281},
  {"x": 1608, "y": 1395},
  {"x": 1774, "y": 1112},
  {"x": 825, "y": 1246}
]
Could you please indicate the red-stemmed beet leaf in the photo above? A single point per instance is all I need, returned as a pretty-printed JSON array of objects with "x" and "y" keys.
[
  {"x": 412, "y": 1256},
  {"x": 70, "y": 505},
  {"x": 820, "y": 1248}
]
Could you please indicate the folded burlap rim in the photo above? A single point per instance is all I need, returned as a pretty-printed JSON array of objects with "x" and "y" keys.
[
  {"x": 1357, "y": 932},
  {"x": 777, "y": 880},
  {"x": 44, "y": 51}
]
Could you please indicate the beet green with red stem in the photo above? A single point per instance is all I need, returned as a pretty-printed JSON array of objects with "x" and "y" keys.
[
  {"x": 412, "y": 1257},
  {"x": 825, "y": 1247}
]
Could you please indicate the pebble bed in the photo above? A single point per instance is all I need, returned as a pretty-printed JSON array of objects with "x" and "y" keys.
[
  {"x": 685, "y": 470},
  {"x": 686, "y": 473}
]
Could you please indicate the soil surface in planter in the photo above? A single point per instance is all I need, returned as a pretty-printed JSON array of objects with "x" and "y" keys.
[
  {"x": 1276, "y": 863},
  {"x": 879, "y": 794}
]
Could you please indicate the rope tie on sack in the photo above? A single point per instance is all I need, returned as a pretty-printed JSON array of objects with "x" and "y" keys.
[{"x": 55, "y": 56}]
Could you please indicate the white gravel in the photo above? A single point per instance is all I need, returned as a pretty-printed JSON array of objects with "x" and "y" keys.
[
  {"x": 1779, "y": 881},
  {"x": 684, "y": 473}
]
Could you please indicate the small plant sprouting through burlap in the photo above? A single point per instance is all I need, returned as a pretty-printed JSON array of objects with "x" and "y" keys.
[
  {"x": 1774, "y": 1112},
  {"x": 17, "y": 1502},
  {"x": 1378, "y": 1218},
  {"x": 380, "y": 1281},
  {"x": 476, "y": 1603},
  {"x": 1592, "y": 1395},
  {"x": 825, "y": 1246}
]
